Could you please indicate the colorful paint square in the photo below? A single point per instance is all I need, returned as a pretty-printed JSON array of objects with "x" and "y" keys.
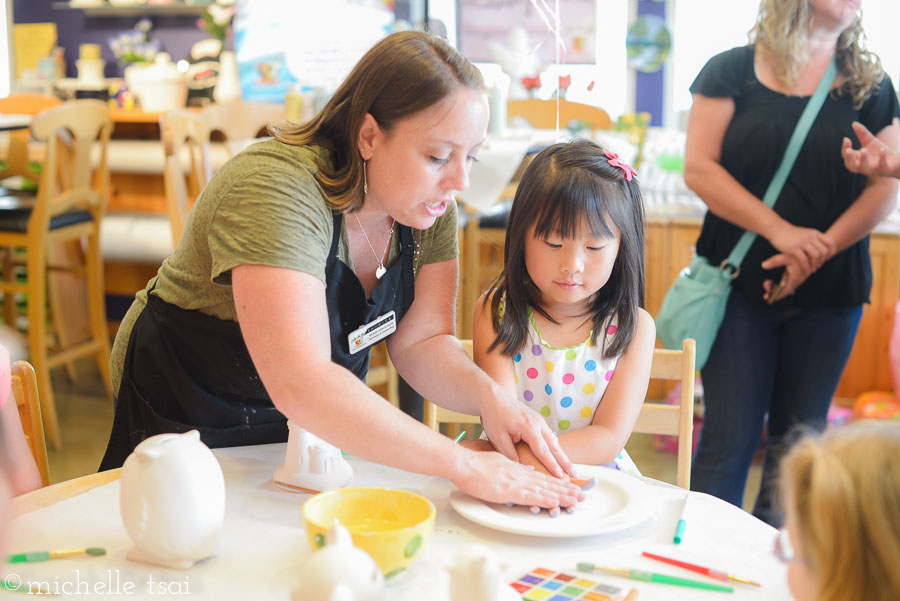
[
  {"x": 541, "y": 584},
  {"x": 552, "y": 585}
]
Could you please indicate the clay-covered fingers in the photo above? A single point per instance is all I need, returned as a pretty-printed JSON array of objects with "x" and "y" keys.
[{"x": 493, "y": 477}]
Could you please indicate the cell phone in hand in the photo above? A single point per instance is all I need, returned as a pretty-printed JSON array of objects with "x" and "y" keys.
[{"x": 772, "y": 296}]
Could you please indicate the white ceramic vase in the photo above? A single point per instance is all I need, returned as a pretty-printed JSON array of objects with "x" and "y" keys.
[
  {"x": 228, "y": 85},
  {"x": 172, "y": 499}
]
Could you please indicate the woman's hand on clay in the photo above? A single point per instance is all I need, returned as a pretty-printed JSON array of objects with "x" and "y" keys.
[
  {"x": 494, "y": 478},
  {"x": 506, "y": 422}
]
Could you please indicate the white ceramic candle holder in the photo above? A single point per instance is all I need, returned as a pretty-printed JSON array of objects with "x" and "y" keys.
[{"x": 311, "y": 465}]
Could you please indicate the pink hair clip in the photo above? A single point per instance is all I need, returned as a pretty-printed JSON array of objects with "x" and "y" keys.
[{"x": 615, "y": 162}]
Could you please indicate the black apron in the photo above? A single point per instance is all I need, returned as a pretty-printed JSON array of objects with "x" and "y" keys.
[{"x": 185, "y": 370}]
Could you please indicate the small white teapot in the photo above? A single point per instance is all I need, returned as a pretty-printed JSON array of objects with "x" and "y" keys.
[
  {"x": 172, "y": 499},
  {"x": 340, "y": 571}
]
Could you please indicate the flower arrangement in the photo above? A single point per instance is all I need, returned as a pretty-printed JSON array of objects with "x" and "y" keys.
[
  {"x": 135, "y": 45},
  {"x": 216, "y": 19}
]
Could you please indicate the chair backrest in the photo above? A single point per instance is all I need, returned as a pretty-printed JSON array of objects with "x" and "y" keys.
[
  {"x": 241, "y": 120},
  {"x": 68, "y": 180},
  {"x": 184, "y": 133},
  {"x": 654, "y": 418},
  {"x": 17, "y": 152},
  {"x": 24, "y": 390},
  {"x": 435, "y": 415},
  {"x": 541, "y": 114},
  {"x": 674, "y": 420}
]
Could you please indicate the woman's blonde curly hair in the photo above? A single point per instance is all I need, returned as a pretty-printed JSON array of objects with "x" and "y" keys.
[{"x": 781, "y": 32}]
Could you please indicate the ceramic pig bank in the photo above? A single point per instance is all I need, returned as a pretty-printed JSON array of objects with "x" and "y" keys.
[
  {"x": 340, "y": 571},
  {"x": 172, "y": 497}
]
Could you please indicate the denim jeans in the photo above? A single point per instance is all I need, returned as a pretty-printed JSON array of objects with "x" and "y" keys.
[{"x": 766, "y": 361}]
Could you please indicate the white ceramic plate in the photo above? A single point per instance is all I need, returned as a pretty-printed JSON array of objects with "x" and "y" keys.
[{"x": 617, "y": 502}]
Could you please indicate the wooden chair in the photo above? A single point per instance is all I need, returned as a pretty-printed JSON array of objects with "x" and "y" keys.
[
  {"x": 241, "y": 120},
  {"x": 186, "y": 138},
  {"x": 184, "y": 133},
  {"x": 654, "y": 418},
  {"x": 24, "y": 390},
  {"x": 70, "y": 202},
  {"x": 542, "y": 113},
  {"x": 674, "y": 420}
]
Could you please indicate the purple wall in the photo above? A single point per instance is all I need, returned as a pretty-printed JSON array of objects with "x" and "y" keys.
[
  {"x": 649, "y": 86},
  {"x": 176, "y": 33}
]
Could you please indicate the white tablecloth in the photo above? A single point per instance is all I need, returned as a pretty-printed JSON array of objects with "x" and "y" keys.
[{"x": 264, "y": 543}]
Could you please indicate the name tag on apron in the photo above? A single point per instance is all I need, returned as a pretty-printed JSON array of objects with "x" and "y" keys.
[{"x": 364, "y": 337}]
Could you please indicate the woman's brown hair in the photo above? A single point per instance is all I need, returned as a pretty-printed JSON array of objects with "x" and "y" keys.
[{"x": 404, "y": 73}]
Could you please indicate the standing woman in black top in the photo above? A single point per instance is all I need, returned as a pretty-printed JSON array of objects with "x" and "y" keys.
[{"x": 783, "y": 360}]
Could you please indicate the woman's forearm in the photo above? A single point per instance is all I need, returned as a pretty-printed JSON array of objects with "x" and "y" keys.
[
  {"x": 459, "y": 384},
  {"x": 875, "y": 203},
  {"x": 728, "y": 199}
]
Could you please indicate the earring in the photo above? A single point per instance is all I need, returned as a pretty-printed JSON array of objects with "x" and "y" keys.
[{"x": 365, "y": 181}]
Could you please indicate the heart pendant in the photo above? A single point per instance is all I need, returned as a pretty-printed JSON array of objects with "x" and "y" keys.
[{"x": 380, "y": 271}]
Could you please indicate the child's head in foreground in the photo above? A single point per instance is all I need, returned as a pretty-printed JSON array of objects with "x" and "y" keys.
[
  {"x": 841, "y": 495},
  {"x": 573, "y": 191}
]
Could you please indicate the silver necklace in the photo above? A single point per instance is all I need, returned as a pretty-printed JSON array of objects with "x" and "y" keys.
[{"x": 380, "y": 270}]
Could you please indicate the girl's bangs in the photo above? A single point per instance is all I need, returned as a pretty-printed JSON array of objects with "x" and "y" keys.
[{"x": 568, "y": 202}]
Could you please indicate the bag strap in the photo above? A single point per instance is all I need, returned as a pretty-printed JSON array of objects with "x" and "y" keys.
[{"x": 787, "y": 162}]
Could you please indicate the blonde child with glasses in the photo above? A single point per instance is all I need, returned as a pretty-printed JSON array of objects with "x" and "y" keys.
[{"x": 841, "y": 495}]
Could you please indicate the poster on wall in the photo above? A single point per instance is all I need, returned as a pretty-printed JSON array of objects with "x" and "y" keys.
[
  {"x": 279, "y": 43},
  {"x": 485, "y": 24}
]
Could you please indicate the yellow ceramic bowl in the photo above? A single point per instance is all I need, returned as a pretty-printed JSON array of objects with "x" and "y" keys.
[{"x": 390, "y": 525}]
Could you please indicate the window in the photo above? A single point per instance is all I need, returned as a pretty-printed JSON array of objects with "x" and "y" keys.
[{"x": 695, "y": 41}]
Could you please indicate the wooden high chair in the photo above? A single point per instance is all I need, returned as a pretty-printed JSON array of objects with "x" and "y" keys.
[
  {"x": 185, "y": 134},
  {"x": 24, "y": 390},
  {"x": 241, "y": 120},
  {"x": 654, "y": 418},
  {"x": 71, "y": 200}
]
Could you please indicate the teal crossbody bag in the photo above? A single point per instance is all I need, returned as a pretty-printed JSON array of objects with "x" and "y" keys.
[{"x": 695, "y": 303}]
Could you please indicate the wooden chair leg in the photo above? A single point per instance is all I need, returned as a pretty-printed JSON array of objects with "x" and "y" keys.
[
  {"x": 97, "y": 307},
  {"x": 10, "y": 307},
  {"x": 37, "y": 332},
  {"x": 67, "y": 298},
  {"x": 473, "y": 265}
]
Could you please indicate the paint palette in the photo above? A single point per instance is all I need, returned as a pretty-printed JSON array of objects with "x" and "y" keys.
[{"x": 541, "y": 584}]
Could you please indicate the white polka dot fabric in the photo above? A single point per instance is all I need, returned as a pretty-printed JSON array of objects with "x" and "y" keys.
[{"x": 564, "y": 385}]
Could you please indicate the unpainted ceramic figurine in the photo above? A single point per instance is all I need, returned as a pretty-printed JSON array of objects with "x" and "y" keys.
[
  {"x": 340, "y": 571},
  {"x": 172, "y": 500},
  {"x": 311, "y": 464},
  {"x": 475, "y": 575}
]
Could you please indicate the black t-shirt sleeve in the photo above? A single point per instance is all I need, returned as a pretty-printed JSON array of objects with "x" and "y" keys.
[
  {"x": 723, "y": 74},
  {"x": 881, "y": 107}
]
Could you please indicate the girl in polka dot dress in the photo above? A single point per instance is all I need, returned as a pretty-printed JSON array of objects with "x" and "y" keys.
[{"x": 563, "y": 324}]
